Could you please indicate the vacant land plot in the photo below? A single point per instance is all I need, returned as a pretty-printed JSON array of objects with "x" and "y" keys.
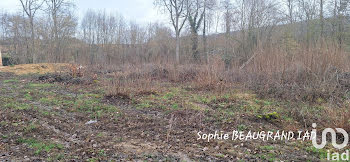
[{"x": 66, "y": 121}]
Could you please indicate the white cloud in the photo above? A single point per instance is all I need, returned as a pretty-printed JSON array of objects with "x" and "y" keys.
[{"x": 10, "y": 5}]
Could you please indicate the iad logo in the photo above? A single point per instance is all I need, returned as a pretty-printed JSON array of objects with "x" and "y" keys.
[{"x": 334, "y": 137}]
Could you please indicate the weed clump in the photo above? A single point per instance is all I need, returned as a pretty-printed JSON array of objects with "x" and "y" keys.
[
  {"x": 64, "y": 78},
  {"x": 270, "y": 116}
]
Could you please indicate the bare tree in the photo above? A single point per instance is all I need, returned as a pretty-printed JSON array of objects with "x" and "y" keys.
[
  {"x": 228, "y": 17},
  {"x": 256, "y": 20},
  {"x": 53, "y": 8},
  {"x": 322, "y": 17},
  {"x": 340, "y": 13},
  {"x": 290, "y": 10},
  {"x": 15, "y": 28},
  {"x": 62, "y": 18},
  {"x": 308, "y": 12},
  {"x": 208, "y": 5},
  {"x": 195, "y": 18},
  {"x": 177, "y": 10},
  {"x": 30, "y": 8}
]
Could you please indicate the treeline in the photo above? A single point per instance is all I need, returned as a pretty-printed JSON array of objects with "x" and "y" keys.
[
  {"x": 237, "y": 31},
  {"x": 44, "y": 31}
]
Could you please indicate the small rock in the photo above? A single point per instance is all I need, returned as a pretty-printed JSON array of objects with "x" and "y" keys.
[{"x": 91, "y": 122}]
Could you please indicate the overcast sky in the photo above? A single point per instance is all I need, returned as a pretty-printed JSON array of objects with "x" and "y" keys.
[{"x": 141, "y": 11}]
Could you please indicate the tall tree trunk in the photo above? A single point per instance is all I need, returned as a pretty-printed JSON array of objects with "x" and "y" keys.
[
  {"x": 204, "y": 32},
  {"x": 55, "y": 28},
  {"x": 33, "y": 51},
  {"x": 0, "y": 58},
  {"x": 30, "y": 7},
  {"x": 195, "y": 52},
  {"x": 321, "y": 18},
  {"x": 177, "y": 48}
]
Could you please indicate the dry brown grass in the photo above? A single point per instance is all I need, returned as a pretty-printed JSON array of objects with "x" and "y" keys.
[
  {"x": 131, "y": 80},
  {"x": 150, "y": 78},
  {"x": 34, "y": 68},
  {"x": 304, "y": 74},
  {"x": 317, "y": 77},
  {"x": 310, "y": 77}
]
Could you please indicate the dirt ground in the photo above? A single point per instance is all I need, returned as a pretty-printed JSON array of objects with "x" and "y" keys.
[
  {"x": 34, "y": 68},
  {"x": 59, "y": 121}
]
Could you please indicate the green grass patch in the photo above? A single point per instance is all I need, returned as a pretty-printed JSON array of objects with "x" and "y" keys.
[
  {"x": 267, "y": 147},
  {"x": 39, "y": 146},
  {"x": 3, "y": 123},
  {"x": 268, "y": 157},
  {"x": 45, "y": 113},
  {"x": 30, "y": 127},
  {"x": 204, "y": 99},
  {"x": 91, "y": 103},
  {"x": 28, "y": 97},
  {"x": 18, "y": 106},
  {"x": 39, "y": 85},
  {"x": 270, "y": 116},
  {"x": 241, "y": 127},
  {"x": 50, "y": 101},
  {"x": 102, "y": 153},
  {"x": 321, "y": 153},
  {"x": 11, "y": 81},
  {"x": 4, "y": 136},
  {"x": 144, "y": 105}
]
